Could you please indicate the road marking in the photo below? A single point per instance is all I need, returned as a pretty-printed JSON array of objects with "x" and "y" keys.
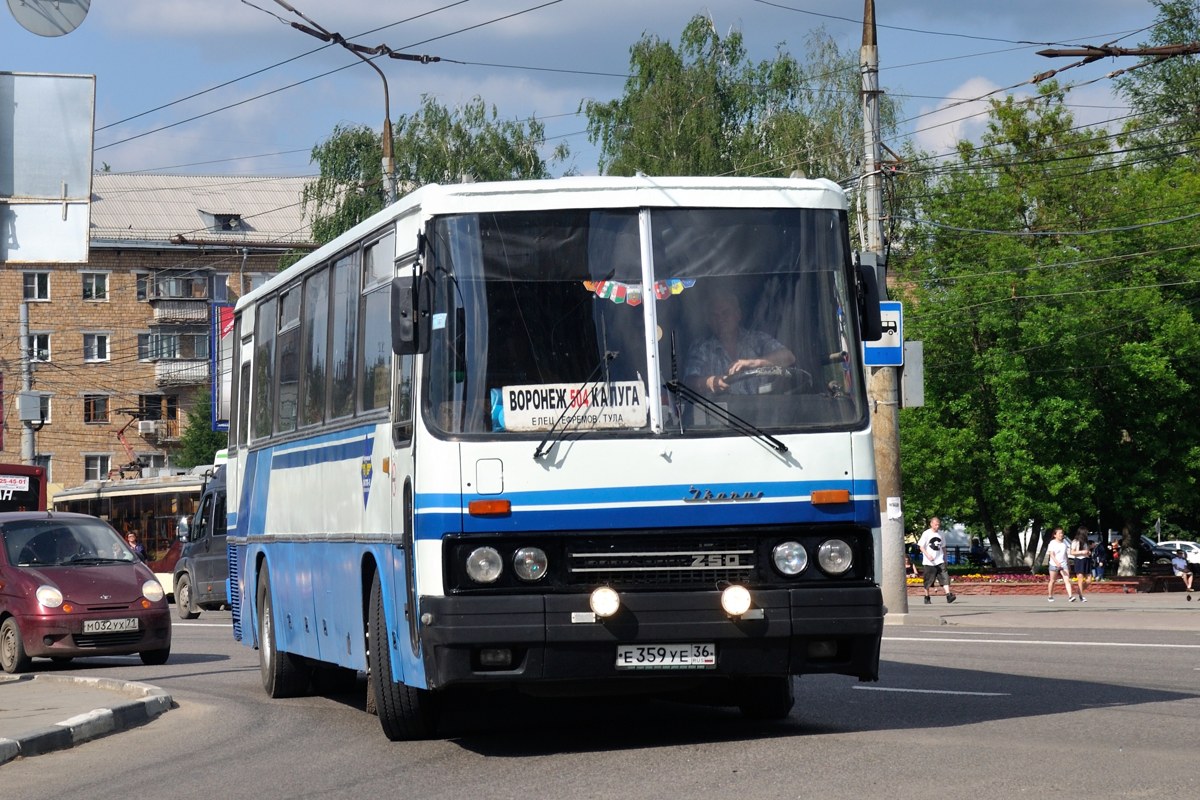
[
  {"x": 201, "y": 625},
  {"x": 930, "y": 691},
  {"x": 1044, "y": 641}
]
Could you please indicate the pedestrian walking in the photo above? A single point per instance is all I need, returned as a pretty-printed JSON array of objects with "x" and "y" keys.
[
  {"x": 1056, "y": 553},
  {"x": 1081, "y": 560},
  {"x": 933, "y": 559}
]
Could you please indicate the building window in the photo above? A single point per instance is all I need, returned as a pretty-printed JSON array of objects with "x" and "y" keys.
[
  {"x": 39, "y": 347},
  {"x": 43, "y": 460},
  {"x": 95, "y": 408},
  {"x": 179, "y": 286},
  {"x": 96, "y": 467},
  {"x": 173, "y": 346},
  {"x": 44, "y": 408},
  {"x": 37, "y": 285},
  {"x": 95, "y": 286},
  {"x": 143, "y": 286},
  {"x": 95, "y": 347},
  {"x": 152, "y": 462}
]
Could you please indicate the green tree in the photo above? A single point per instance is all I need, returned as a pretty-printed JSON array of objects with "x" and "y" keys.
[
  {"x": 199, "y": 443},
  {"x": 704, "y": 109},
  {"x": 433, "y": 145},
  {"x": 1057, "y": 323}
]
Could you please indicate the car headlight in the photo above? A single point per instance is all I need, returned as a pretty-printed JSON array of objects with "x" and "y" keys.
[
  {"x": 484, "y": 565},
  {"x": 152, "y": 590},
  {"x": 835, "y": 557},
  {"x": 790, "y": 558},
  {"x": 530, "y": 563},
  {"x": 49, "y": 596}
]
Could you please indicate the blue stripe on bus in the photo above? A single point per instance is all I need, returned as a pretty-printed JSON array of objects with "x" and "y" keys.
[
  {"x": 647, "y": 494},
  {"x": 433, "y": 525},
  {"x": 340, "y": 446}
]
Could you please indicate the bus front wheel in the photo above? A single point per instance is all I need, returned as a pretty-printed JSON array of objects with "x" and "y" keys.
[
  {"x": 404, "y": 712},
  {"x": 282, "y": 674}
]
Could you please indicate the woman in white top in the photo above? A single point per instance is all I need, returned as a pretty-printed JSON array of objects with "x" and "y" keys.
[{"x": 1056, "y": 553}]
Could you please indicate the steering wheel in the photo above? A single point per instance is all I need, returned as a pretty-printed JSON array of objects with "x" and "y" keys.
[{"x": 780, "y": 380}]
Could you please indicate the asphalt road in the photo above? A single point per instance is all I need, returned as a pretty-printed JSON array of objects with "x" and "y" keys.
[{"x": 962, "y": 710}]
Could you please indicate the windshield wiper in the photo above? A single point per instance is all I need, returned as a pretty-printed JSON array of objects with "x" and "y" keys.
[
  {"x": 550, "y": 439},
  {"x": 735, "y": 422}
]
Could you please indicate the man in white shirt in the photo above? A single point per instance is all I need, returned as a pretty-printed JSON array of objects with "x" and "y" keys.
[
  {"x": 933, "y": 558},
  {"x": 1056, "y": 555},
  {"x": 1182, "y": 569}
]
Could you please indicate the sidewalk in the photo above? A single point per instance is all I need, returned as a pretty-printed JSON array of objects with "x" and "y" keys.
[
  {"x": 1157, "y": 611},
  {"x": 40, "y": 713}
]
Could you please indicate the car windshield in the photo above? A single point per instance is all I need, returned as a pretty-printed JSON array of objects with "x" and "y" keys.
[
  {"x": 62, "y": 542},
  {"x": 590, "y": 319}
]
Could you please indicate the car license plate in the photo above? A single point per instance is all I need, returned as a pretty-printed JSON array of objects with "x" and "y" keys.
[
  {"x": 110, "y": 625},
  {"x": 666, "y": 656}
]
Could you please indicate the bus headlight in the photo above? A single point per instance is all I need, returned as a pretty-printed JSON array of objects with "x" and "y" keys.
[
  {"x": 484, "y": 565},
  {"x": 604, "y": 601},
  {"x": 49, "y": 596},
  {"x": 735, "y": 600},
  {"x": 152, "y": 590},
  {"x": 790, "y": 558},
  {"x": 530, "y": 563},
  {"x": 835, "y": 557}
]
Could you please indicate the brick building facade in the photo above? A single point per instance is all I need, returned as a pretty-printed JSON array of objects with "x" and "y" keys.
[{"x": 120, "y": 347}]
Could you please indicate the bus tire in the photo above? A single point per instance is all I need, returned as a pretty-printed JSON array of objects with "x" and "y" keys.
[
  {"x": 12, "y": 648},
  {"x": 404, "y": 712},
  {"x": 766, "y": 698},
  {"x": 155, "y": 658},
  {"x": 184, "y": 608},
  {"x": 282, "y": 674}
]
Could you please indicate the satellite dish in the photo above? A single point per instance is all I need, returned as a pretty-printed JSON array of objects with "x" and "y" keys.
[{"x": 49, "y": 17}]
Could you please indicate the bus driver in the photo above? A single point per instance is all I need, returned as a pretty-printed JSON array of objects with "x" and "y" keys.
[{"x": 730, "y": 350}]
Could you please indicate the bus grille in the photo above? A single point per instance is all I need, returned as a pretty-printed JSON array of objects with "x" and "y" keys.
[{"x": 660, "y": 563}]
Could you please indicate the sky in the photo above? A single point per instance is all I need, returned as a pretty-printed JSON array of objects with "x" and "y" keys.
[{"x": 227, "y": 87}]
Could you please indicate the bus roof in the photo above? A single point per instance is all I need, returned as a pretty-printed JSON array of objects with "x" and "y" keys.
[{"x": 580, "y": 192}]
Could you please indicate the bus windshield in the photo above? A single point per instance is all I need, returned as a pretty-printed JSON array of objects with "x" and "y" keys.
[{"x": 541, "y": 321}]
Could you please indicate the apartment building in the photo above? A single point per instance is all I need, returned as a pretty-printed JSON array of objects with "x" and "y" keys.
[{"x": 121, "y": 347}]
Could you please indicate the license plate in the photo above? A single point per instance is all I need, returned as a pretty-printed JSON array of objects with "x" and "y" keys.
[
  {"x": 109, "y": 625},
  {"x": 666, "y": 656}
]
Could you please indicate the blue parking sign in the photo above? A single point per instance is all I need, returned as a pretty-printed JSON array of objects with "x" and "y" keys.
[{"x": 889, "y": 350}]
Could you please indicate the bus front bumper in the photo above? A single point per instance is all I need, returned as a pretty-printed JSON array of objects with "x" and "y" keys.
[{"x": 530, "y": 639}]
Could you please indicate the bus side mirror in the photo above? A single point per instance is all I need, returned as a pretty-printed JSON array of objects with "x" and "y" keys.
[
  {"x": 412, "y": 314},
  {"x": 869, "y": 319}
]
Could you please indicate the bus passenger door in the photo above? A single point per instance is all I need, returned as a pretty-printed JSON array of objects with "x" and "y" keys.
[{"x": 403, "y": 575}]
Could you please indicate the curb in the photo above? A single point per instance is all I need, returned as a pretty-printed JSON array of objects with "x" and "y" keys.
[{"x": 148, "y": 703}]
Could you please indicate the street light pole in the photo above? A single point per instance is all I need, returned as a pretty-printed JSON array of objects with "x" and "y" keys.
[
  {"x": 882, "y": 388},
  {"x": 388, "y": 164}
]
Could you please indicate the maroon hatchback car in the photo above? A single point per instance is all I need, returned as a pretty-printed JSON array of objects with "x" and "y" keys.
[{"x": 69, "y": 587}]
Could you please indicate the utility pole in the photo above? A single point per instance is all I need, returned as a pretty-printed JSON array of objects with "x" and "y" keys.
[
  {"x": 388, "y": 163},
  {"x": 881, "y": 389}
]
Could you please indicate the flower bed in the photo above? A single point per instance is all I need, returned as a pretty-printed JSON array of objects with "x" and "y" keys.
[{"x": 1023, "y": 583}]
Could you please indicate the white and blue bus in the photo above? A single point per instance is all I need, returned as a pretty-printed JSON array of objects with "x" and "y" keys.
[{"x": 494, "y": 436}]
